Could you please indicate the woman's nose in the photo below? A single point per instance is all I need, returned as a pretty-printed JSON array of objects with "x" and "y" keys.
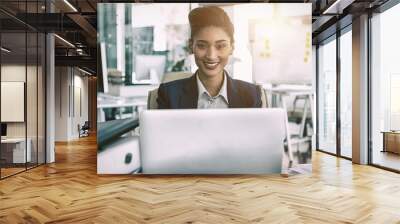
[{"x": 211, "y": 53}]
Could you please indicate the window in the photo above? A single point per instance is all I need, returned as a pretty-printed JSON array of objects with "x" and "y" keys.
[
  {"x": 385, "y": 86},
  {"x": 346, "y": 93},
  {"x": 327, "y": 96}
]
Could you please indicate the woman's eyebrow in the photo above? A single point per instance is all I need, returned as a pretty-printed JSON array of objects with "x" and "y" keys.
[
  {"x": 218, "y": 41},
  {"x": 203, "y": 41}
]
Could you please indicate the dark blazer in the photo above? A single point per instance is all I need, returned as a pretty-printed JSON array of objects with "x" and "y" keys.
[{"x": 183, "y": 94}]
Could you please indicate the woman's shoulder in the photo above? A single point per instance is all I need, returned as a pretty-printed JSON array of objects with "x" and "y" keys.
[
  {"x": 176, "y": 82},
  {"x": 245, "y": 85},
  {"x": 249, "y": 92}
]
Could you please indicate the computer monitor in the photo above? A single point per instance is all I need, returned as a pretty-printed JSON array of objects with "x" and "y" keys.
[
  {"x": 102, "y": 82},
  {"x": 3, "y": 129},
  {"x": 149, "y": 69}
]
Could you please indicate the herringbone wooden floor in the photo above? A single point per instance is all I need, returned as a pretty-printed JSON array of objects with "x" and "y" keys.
[{"x": 70, "y": 191}]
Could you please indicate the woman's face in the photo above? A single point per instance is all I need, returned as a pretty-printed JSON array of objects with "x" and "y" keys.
[{"x": 211, "y": 47}]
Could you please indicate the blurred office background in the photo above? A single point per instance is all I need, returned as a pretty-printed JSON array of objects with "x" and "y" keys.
[{"x": 139, "y": 50}]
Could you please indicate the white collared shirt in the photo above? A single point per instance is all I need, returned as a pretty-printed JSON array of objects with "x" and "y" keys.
[{"x": 206, "y": 101}]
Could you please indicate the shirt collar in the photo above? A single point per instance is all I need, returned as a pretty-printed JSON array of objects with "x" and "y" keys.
[{"x": 222, "y": 92}]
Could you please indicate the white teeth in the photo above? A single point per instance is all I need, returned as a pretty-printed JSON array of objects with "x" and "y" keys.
[{"x": 211, "y": 65}]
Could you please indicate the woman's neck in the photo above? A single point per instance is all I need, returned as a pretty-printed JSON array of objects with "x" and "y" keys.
[{"x": 212, "y": 84}]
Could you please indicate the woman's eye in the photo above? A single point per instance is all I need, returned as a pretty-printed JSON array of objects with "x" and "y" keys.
[
  {"x": 221, "y": 46},
  {"x": 201, "y": 46}
]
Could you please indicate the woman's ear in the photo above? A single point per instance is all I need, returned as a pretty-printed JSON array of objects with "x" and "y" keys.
[{"x": 232, "y": 48}]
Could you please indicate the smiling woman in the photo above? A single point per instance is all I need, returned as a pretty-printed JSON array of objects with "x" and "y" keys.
[{"x": 212, "y": 44}]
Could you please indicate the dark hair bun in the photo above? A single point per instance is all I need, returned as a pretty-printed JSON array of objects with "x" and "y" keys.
[{"x": 210, "y": 16}]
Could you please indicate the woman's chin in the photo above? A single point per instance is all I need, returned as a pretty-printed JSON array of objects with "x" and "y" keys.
[{"x": 212, "y": 73}]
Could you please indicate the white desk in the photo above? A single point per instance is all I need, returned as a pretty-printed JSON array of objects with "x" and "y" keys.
[
  {"x": 18, "y": 151},
  {"x": 279, "y": 96},
  {"x": 280, "y": 93},
  {"x": 137, "y": 103},
  {"x": 120, "y": 157}
]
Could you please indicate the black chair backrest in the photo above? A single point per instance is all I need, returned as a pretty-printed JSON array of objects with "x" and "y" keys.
[{"x": 86, "y": 125}]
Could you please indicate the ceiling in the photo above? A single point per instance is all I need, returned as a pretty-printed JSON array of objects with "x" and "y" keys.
[{"x": 76, "y": 22}]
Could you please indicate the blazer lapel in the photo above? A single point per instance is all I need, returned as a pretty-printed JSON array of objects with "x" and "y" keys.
[
  {"x": 188, "y": 99},
  {"x": 234, "y": 97}
]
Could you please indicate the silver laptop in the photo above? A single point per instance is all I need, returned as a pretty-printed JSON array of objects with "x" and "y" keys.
[{"x": 212, "y": 141}]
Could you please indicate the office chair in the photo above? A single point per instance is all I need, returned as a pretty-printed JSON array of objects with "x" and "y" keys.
[
  {"x": 84, "y": 130},
  {"x": 153, "y": 94}
]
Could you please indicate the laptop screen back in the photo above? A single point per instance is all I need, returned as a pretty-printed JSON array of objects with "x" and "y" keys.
[{"x": 213, "y": 141}]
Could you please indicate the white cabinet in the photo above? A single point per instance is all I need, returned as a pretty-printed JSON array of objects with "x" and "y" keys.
[{"x": 19, "y": 155}]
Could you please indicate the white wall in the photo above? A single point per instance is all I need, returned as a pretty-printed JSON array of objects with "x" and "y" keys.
[
  {"x": 33, "y": 126},
  {"x": 80, "y": 83},
  {"x": 71, "y": 86},
  {"x": 12, "y": 101},
  {"x": 62, "y": 81},
  {"x": 264, "y": 43},
  {"x": 16, "y": 73}
]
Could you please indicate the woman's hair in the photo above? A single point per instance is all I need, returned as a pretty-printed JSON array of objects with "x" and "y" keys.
[{"x": 210, "y": 16}]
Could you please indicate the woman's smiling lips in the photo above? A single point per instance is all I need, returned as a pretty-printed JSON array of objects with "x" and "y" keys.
[{"x": 211, "y": 64}]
